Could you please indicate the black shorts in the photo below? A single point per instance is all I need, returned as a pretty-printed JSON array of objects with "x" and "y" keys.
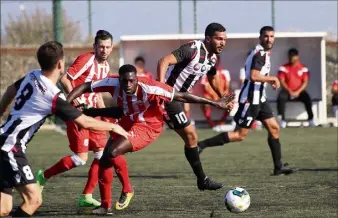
[
  {"x": 14, "y": 170},
  {"x": 175, "y": 117},
  {"x": 247, "y": 113}
]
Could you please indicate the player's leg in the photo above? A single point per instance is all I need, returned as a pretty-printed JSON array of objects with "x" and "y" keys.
[
  {"x": 78, "y": 143},
  {"x": 187, "y": 132},
  {"x": 6, "y": 185},
  {"x": 244, "y": 118},
  {"x": 282, "y": 99},
  {"x": 6, "y": 202},
  {"x": 306, "y": 99},
  {"x": 32, "y": 200},
  {"x": 271, "y": 124}
]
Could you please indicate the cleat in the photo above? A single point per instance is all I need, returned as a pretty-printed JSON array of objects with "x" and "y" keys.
[
  {"x": 99, "y": 211},
  {"x": 208, "y": 184},
  {"x": 40, "y": 179},
  {"x": 284, "y": 170},
  {"x": 87, "y": 200},
  {"x": 124, "y": 200}
]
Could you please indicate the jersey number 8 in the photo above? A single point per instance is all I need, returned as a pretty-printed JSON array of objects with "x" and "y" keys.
[{"x": 25, "y": 94}]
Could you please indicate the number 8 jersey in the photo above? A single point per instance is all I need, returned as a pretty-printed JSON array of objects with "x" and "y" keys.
[{"x": 37, "y": 98}]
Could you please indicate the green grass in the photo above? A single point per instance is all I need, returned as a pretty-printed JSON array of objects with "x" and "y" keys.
[{"x": 165, "y": 186}]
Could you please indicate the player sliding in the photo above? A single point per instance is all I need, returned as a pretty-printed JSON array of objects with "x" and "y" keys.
[
  {"x": 36, "y": 97},
  {"x": 253, "y": 103},
  {"x": 141, "y": 100}
]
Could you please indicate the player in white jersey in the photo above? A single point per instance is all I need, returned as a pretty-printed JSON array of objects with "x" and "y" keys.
[
  {"x": 253, "y": 102},
  {"x": 36, "y": 97},
  {"x": 192, "y": 61}
]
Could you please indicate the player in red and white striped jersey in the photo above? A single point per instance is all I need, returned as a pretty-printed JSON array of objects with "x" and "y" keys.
[
  {"x": 141, "y": 100},
  {"x": 36, "y": 97},
  {"x": 87, "y": 67}
]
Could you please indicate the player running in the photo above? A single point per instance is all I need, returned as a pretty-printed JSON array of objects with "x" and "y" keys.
[
  {"x": 191, "y": 62},
  {"x": 36, "y": 98},
  {"x": 253, "y": 103},
  {"x": 141, "y": 100},
  {"x": 87, "y": 67}
]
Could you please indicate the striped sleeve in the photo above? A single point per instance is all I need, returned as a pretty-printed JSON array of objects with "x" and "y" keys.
[
  {"x": 80, "y": 65},
  {"x": 105, "y": 85},
  {"x": 281, "y": 72},
  {"x": 158, "y": 90}
]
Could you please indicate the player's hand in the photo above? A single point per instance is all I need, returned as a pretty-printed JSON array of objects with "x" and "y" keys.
[
  {"x": 119, "y": 130},
  {"x": 275, "y": 83},
  {"x": 225, "y": 102}
]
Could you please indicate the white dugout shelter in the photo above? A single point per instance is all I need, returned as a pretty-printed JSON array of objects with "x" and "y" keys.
[{"x": 311, "y": 46}]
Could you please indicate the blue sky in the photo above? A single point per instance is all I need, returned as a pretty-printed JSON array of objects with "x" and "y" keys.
[{"x": 161, "y": 17}]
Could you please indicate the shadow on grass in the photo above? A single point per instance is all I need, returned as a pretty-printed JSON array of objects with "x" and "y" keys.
[{"x": 318, "y": 169}]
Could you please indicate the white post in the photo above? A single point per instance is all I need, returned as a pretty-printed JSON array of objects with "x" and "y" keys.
[
  {"x": 121, "y": 60},
  {"x": 322, "y": 104}
]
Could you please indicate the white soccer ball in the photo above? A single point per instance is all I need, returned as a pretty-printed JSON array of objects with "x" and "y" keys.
[{"x": 237, "y": 200}]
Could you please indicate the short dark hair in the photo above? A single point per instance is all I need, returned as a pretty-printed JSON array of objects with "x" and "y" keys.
[
  {"x": 212, "y": 28},
  {"x": 103, "y": 35},
  {"x": 139, "y": 58},
  {"x": 49, "y": 54},
  {"x": 266, "y": 28},
  {"x": 293, "y": 52},
  {"x": 126, "y": 69}
]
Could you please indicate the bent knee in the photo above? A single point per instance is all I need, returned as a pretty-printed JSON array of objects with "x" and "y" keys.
[
  {"x": 191, "y": 138},
  {"x": 79, "y": 160},
  {"x": 237, "y": 136},
  {"x": 5, "y": 212}
]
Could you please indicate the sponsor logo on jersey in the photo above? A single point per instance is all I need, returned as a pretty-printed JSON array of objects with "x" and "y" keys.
[{"x": 196, "y": 67}]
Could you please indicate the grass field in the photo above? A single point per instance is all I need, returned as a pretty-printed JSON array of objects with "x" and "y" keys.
[{"x": 165, "y": 186}]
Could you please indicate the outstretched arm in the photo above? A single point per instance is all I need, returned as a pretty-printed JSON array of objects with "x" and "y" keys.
[
  {"x": 190, "y": 98},
  {"x": 79, "y": 90}
]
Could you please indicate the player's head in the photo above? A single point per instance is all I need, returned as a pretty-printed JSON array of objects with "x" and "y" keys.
[
  {"x": 267, "y": 37},
  {"x": 215, "y": 37},
  {"x": 103, "y": 45},
  {"x": 128, "y": 78},
  {"x": 293, "y": 55},
  {"x": 139, "y": 62},
  {"x": 50, "y": 57}
]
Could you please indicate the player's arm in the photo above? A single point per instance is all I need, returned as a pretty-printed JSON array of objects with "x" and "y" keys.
[
  {"x": 184, "y": 53},
  {"x": 258, "y": 61},
  {"x": 305, "y": 81},
  {"x": 8, "y": 97},
  {"x": 79, "y": 90},
  {"x": 213, "y": 81},
  {"x": 66, "y": 83},
  {"x": 113, "y": 112},
  {"x": 66, "y": 112},
  {"x": 190, "y": 98}
]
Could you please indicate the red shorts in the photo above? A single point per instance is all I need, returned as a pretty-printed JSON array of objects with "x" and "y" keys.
[
  {"x": 84, "y": 140},
  {"x": 141, "y": 134}
]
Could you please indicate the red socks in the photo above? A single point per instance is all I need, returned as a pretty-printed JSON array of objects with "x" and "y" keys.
[
  {"x": 121, "y": 169},
  {"x": 93, "y": 175},
  {"x": 63, "y": 165}
]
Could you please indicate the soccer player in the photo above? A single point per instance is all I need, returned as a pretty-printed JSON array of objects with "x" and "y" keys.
[
  {"x": 87, "y": 67},
  {"x": 224, "y": 81},
  {"x": 253, "y": 102},
  {"x": 141, "y": 100},
  {"x": 140, "y": 64},
  {"x": 36, "y": 97},
  {"x": 334, "y": 101},
  {"x": 192, "y": 61}
]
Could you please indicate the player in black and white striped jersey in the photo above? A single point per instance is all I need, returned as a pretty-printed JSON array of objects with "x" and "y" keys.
[
  {"x": 190, "y": 62},
  {"x": 36, "y": 97},
  {"x": 253, "y": 102}
]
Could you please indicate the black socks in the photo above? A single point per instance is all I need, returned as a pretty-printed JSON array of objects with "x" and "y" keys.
[
  {"x": 193, "y": 157},
  {"x": 275, "y": 148},
  {"x": 20, "y": 213},
  {"x": 217, "y": 140}
]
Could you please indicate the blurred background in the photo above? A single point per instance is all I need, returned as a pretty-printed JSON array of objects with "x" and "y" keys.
[{"x": 27, "y": 24}]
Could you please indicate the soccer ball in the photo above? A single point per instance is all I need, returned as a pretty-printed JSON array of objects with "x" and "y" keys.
[{"x": 237, "y": 200}]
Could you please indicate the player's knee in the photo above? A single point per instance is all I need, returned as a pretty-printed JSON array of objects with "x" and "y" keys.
[
  {"x": 191, "y": 138},
  {"x": 105, "y": 161},
  {"x": 78, "y": 161},
  {"x": 5, "y": 211},
  {"x": 98, "y": 155},
  {"x": 274, "y": 130},
  {"x": 236, "y": 136},
  {"x": 115, "y": 152}
]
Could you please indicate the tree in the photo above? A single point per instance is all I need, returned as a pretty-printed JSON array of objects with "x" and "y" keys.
[{"x": 37, "y": 28}]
